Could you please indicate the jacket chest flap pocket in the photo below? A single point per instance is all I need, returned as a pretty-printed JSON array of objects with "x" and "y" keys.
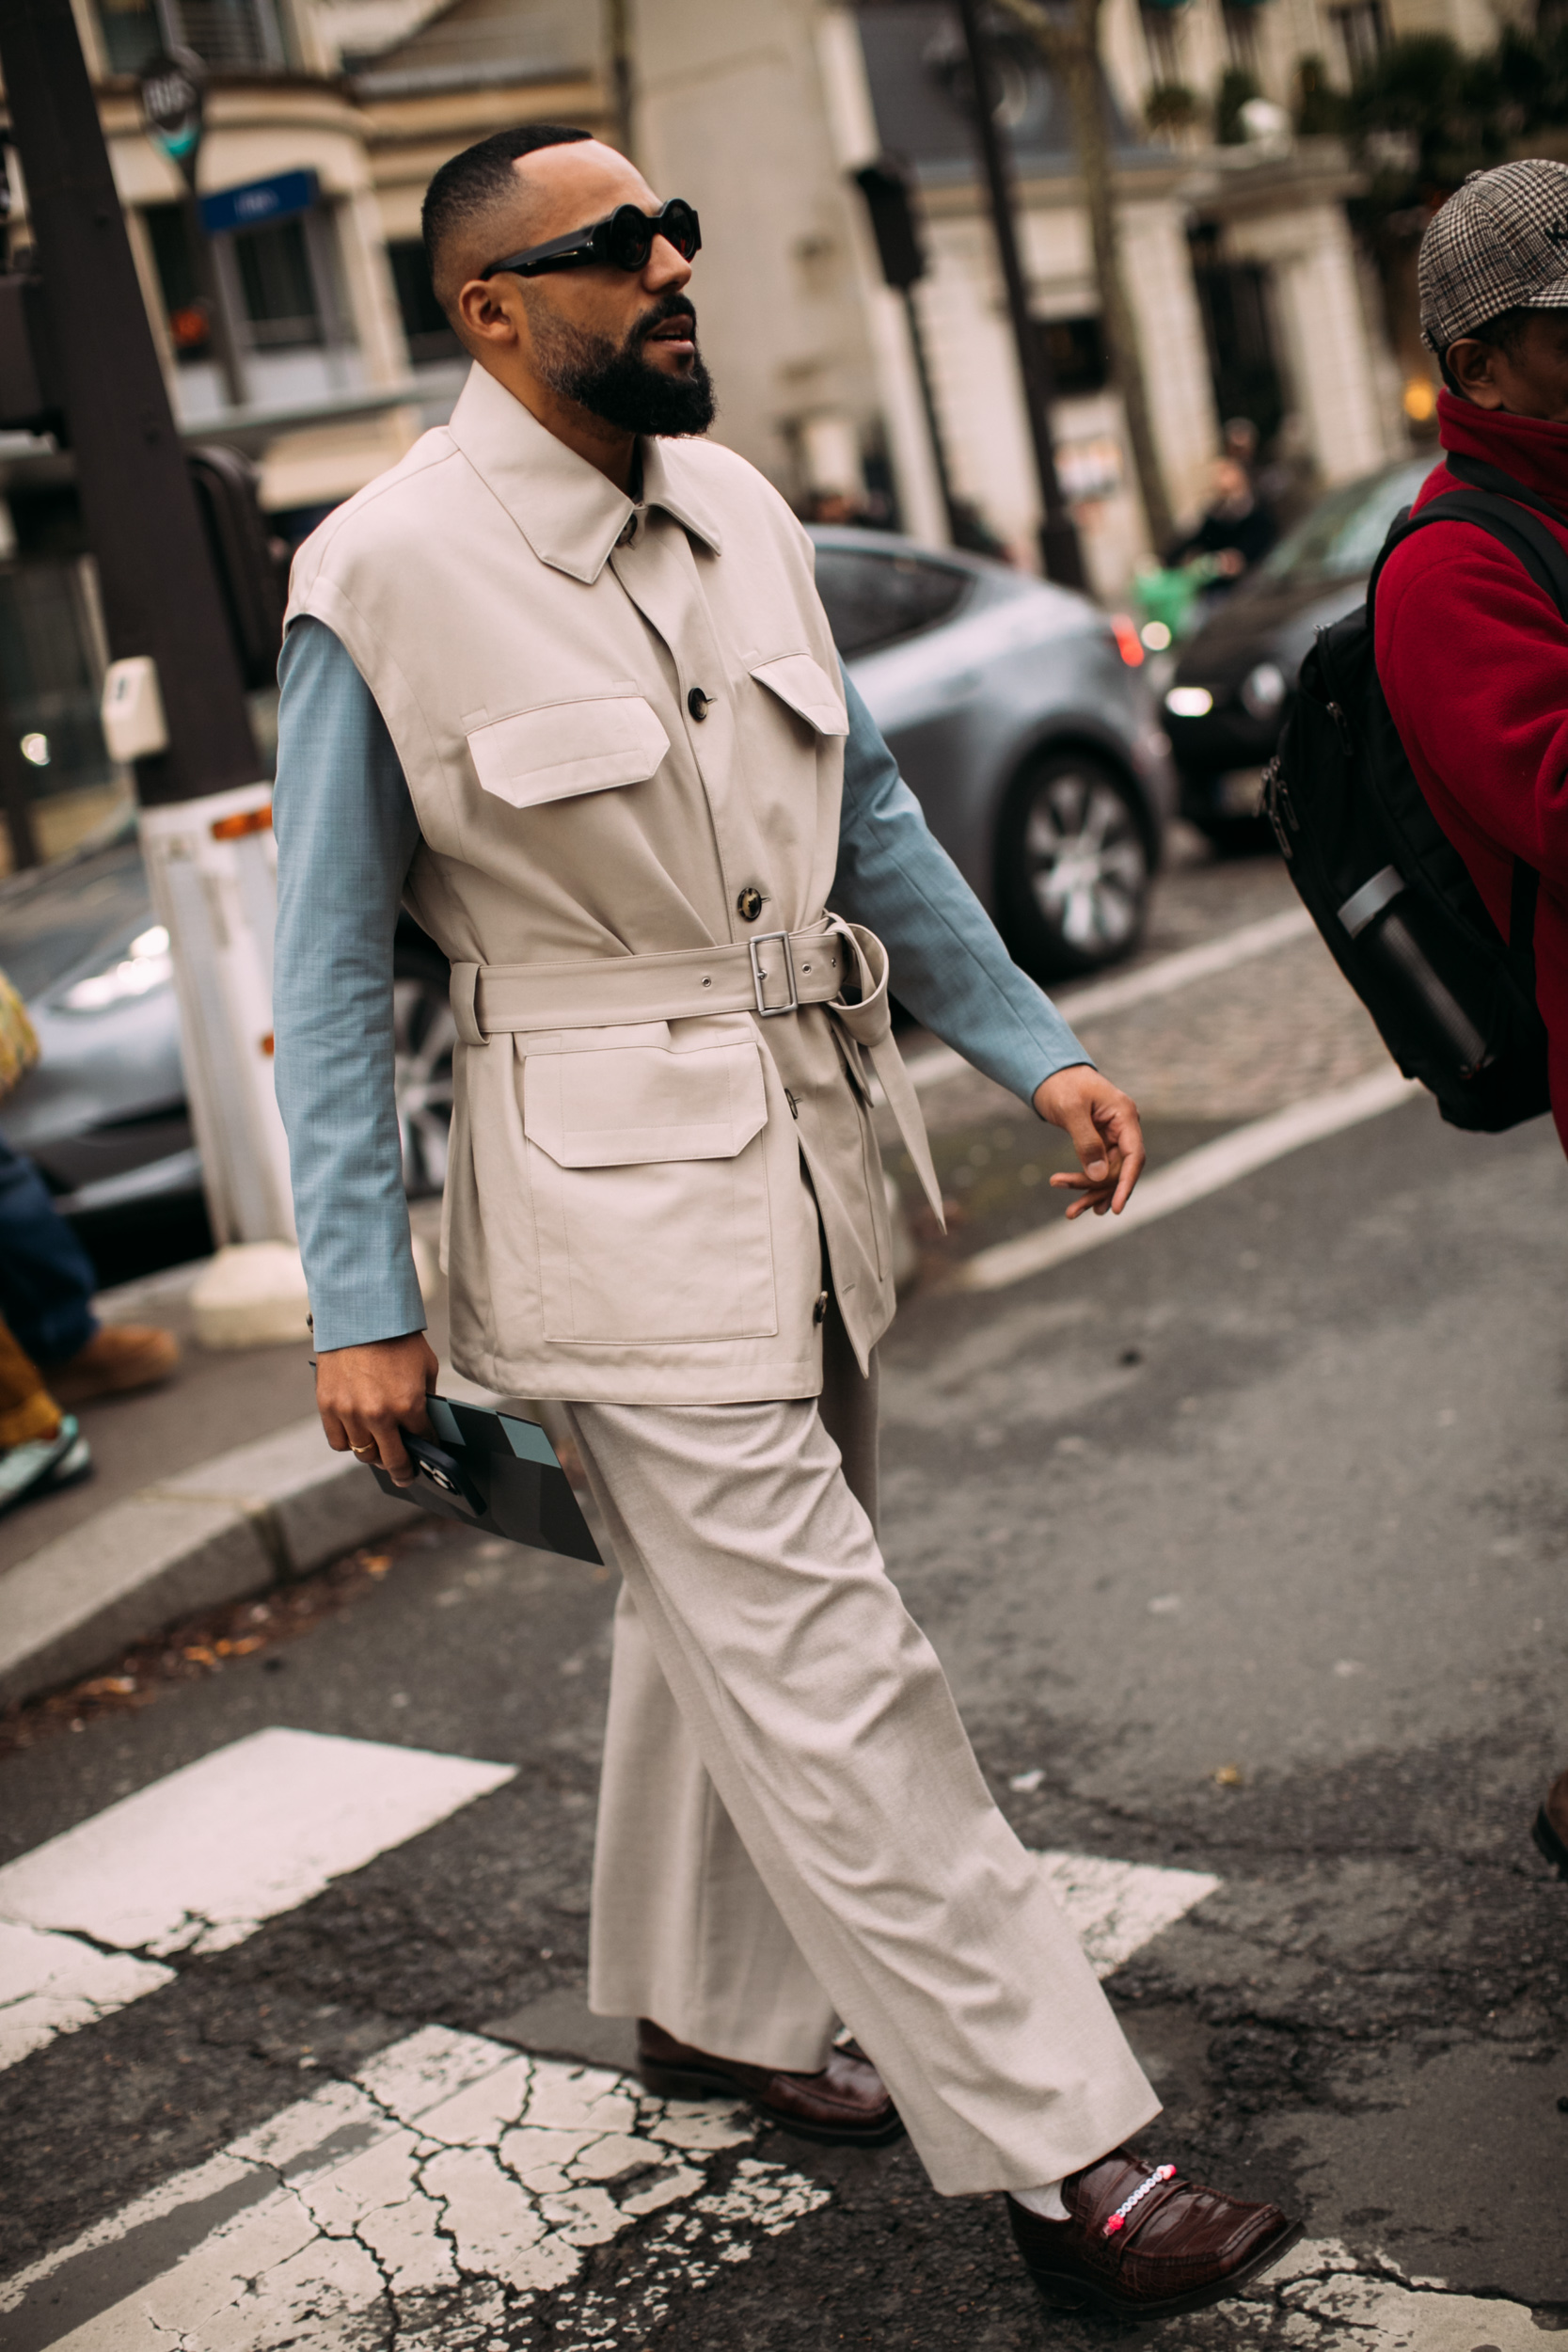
[
  {"x": 566, "y": 748},
  {"x": 804, "y": 687},
  {"x": 650, "y": 1193}
]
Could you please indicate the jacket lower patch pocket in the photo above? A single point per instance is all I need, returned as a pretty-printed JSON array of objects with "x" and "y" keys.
[{"x": 650, "y": 1193}]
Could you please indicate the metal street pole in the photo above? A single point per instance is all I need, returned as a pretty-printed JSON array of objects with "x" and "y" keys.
[
  {"x": 174, "y": 698},
  {"x": 1060, "y": 552}
]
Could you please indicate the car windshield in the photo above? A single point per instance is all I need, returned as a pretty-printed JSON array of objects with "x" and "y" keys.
[{"x": 1340, "y": 537}]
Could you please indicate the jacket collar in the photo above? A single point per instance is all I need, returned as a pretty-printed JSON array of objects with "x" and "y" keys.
[
  {"x": 1534, "y": 452},
  {"x": 566, "y": 510}
]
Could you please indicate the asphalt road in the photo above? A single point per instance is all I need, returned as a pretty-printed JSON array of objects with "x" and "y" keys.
[{"x": 1242, "y": 1541}]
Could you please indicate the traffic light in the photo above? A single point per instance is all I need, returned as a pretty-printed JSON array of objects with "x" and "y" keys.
[{"x": 886, "y": 189}]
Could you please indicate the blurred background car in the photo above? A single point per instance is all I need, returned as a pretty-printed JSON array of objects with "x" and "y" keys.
[
  {"x": 1018, "y": 714},
  {"x": 1230, "y": 695},
  {"x": 1022, "y": 720},
  {"x": 105, "y": 1114}
]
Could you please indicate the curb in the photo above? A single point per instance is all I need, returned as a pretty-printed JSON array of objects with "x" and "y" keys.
[{"x": 267, "y": 1512}]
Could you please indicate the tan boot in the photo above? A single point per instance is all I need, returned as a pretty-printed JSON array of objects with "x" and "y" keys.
[
  {"x": 118, "y": 1356},
  {"x": 1551, "y": 1826}
]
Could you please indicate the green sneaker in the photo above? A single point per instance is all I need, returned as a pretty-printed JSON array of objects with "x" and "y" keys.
[{"x": 45, "y": 1464}]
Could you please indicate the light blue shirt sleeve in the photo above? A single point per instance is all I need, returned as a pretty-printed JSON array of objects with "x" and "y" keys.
[
  {"x": 950, "y": 968},
  {"x": 346, "y": 835}
]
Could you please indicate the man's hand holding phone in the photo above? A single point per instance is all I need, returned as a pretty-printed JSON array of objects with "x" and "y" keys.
[{"x": 367, "y": 1395}]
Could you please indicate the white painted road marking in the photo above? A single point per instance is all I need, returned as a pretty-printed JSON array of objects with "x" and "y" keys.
[
  {"x": 52, "y": 1984},
  {"x": 1335, "y": 2302},
  {"x": 1116, "y": 1907},
  {"x": 456, "y": 2179},
  {"x": 1191, "y": 1178},
  {"x": 196, "y": 1862},
  {"x": 934, "y": 1064},
  {"x": 441, "y": 2191}
]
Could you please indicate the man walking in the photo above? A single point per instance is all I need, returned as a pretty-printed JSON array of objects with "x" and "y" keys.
[
  {"x": 1472, "y": 654},
  {"x": 562, "y": 680}
]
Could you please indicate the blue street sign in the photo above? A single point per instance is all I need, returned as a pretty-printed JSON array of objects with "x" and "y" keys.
[{"x": 260, "y": 202}]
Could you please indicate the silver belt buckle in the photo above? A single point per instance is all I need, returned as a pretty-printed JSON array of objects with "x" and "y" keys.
[{"x": 769, "y": 1012}]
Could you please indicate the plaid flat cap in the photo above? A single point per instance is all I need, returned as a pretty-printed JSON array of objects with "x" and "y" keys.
[{"x": 1500, "y": 242}]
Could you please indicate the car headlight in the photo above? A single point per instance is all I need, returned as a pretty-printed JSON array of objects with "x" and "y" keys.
[
  {"x": 145, "y": 965},
  {"x": 1189, "y": 702},
  {"x": 1263, "y": 689}
]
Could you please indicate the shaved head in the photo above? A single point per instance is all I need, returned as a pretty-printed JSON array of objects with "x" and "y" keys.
[{"x": 477, "y": 195}]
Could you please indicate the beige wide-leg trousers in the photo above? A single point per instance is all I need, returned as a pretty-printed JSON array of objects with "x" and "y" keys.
[{"x": 793, "y": 1829}]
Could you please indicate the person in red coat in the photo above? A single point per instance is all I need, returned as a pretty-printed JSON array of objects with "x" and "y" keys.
[{"x": 1472, "y": 655}]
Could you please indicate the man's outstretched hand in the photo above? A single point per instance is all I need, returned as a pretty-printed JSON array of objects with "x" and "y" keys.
[
  {"x": 365, "y": 1394},
  {"x": 1103, "y": 1125}
]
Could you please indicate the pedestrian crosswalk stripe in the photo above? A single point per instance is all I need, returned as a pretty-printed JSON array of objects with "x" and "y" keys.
[
  {"x": 444, "y": 2189},
  {"x": 198, "y": 1861},
  {"x": 1116, "y": 1907},
  {"x": 437, "y": 2194}
]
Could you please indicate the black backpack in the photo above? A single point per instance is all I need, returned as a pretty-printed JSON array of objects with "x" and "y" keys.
[{"x": 1387, "y": 889}]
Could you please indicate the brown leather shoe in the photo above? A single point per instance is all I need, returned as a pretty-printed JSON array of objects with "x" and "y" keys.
[
  {"x": 1142, "y": 2243},
  {"x": 118, "y": 1356},
  {"x": 1551, "y": 1826},
  {"x": 847, "y": 2100}
]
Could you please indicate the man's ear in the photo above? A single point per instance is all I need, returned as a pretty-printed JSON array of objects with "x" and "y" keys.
[
  {"x": 481, "y": 318},
  {"x": 1473, "y": 367}
]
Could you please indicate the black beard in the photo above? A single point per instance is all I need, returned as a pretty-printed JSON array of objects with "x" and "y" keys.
[{"x": 615, "y": 381}]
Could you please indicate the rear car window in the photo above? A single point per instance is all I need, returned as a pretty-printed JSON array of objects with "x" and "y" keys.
[
  {"x": 1340, "y": 539},
  {"x": 873, "y": 600}
]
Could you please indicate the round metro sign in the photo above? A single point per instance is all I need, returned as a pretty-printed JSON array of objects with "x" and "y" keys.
[{"x": 171, "y": 104}]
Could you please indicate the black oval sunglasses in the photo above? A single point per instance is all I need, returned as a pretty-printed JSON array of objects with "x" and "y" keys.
[{"x": 623, "y": 240}]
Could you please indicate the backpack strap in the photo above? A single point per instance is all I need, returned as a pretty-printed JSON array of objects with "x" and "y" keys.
[
  {"x": 1508, "y": 520},
  {"x": 1481, "y": 476},
  {"x": 1501, "y": 507}
]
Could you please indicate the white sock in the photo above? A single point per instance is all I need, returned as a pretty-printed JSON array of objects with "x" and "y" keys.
[{"x": 1046, "y": 2201}]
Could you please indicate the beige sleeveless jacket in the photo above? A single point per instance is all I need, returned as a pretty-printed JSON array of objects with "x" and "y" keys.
[{"x": 623, "y": 729}]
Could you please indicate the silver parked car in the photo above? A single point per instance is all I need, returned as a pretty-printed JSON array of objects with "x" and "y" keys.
[
  {"x": 1020, "y": 718},
  {"x": 1017, "y": 713}
]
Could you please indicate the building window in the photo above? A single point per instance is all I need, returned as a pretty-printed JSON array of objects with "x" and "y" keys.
[
  {"x": 1362, "y": 35},
  {"x": 278, "y": 287},
  {"x": 230, "y": 36},
  {"x": 424, "y": 321},
  {"x": 1075, "y": 355},
  {"x": 1234, "y": 304}
]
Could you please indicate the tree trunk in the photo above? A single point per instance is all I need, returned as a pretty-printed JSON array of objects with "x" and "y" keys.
[{"x": 1073, "y": 54}]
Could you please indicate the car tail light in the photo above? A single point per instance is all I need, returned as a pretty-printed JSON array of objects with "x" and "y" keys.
[{"x": 1129, "y": 644}]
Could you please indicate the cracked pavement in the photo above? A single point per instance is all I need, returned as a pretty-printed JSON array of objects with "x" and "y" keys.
[{"x": 1243, "y": 1542}]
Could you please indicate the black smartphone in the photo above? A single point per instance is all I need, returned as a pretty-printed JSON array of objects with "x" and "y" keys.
[{"x": 443, "y": 1470}]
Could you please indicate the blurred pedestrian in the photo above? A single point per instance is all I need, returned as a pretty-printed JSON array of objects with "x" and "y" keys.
[
  {"x": 563, "y": 679},
  {"x": 1473, "y": 655},
  {"x": 41, "y": 1448},
  {"x": 47, "y": 1279},
  {"x": 46, "y": 1286},
  {"x": 1236, "y": 530}
]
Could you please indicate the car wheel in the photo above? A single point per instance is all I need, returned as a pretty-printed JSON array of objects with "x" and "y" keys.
[
  {"x": 423, "y": 1034},
  {"x": 1075, "y": 865}
]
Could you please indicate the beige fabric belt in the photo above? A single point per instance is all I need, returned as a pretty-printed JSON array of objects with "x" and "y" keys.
[{"x": 769, "y": 975}]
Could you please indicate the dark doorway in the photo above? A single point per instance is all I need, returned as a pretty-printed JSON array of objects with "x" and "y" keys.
[{"x": 1233, "y": 299}]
